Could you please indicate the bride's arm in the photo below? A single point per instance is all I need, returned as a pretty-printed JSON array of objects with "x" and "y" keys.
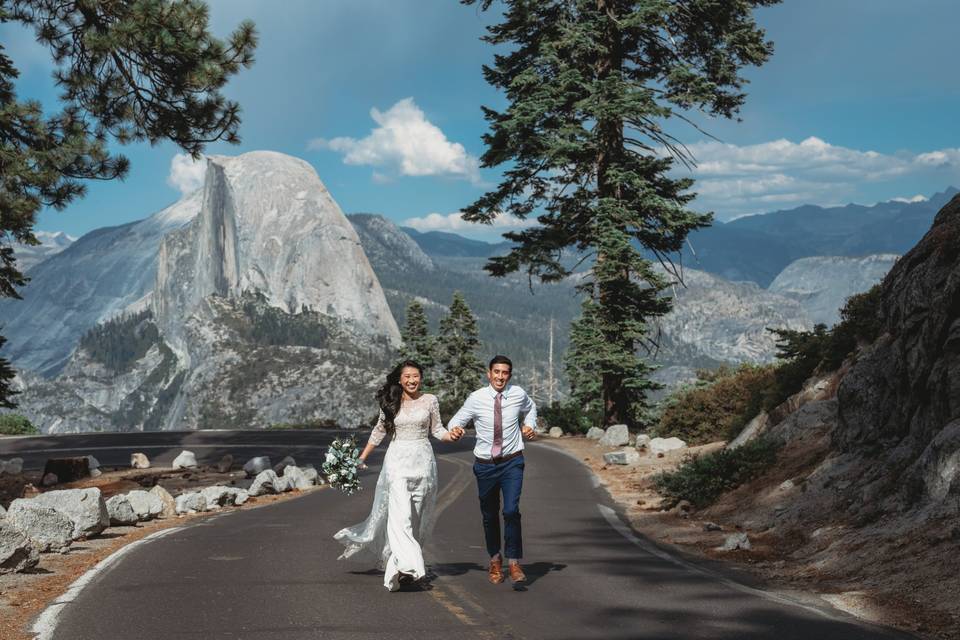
[
  {"x": 436, "y": 424},
  {"x": 376, "y": 437}
]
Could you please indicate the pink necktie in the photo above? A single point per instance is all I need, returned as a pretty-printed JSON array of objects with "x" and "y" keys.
[{"x": 497, "y": 428}]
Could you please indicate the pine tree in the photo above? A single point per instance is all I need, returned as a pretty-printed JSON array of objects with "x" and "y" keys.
[
  {"x": 591, "y": 85},
  {"x": 129, "y": 70},
  {"x": 418, "y": 345},
  {"x": 457, "y": 345}
]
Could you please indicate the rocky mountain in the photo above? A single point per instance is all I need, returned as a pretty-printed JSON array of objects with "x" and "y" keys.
[
  {"x": 759, "y": 247},
  {"x": 50, "y": 244},
  {"x": 263, "y": 309},
  {"x": 823, "y": 284},
  {"x": 94, "y": 279}
]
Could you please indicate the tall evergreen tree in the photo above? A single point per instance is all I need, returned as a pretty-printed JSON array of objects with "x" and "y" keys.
[
  {"x": 130, "y": 70},
  {"x": 457, "y": 345},
  {"x": 591, "y": 85},
  {"x": 417, "y": 344}
]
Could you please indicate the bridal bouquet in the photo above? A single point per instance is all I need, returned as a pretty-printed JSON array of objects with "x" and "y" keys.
[{"x": 340, "y": 465}]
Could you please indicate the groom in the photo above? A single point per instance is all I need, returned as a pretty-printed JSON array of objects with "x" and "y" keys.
[{"x": 498, "y": 411}]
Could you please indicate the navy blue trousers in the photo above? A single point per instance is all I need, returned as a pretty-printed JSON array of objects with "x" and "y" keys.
[{"x": 493, "y": 480}]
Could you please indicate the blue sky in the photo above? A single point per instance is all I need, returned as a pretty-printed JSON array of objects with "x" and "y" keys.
[{"x": 383, "y": 98}]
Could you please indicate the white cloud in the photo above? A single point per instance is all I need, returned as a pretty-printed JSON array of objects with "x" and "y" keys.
[
  {"x": 455, "y": 222},
  {"x": 186, "y": 174},
  {"x": 405, "y": 143},
  {"x": 916, "y": 198},
  {"x": 739, "y": 180}
]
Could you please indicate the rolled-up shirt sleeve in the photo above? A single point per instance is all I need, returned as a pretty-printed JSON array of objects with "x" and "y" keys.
[{"x": 380, "y": 431}]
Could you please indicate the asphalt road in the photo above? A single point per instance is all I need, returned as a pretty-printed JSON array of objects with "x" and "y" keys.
[{"x": 272, "y": 572}]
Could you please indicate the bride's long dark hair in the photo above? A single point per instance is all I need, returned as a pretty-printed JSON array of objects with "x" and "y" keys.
[{"x": 390, "y": 394}]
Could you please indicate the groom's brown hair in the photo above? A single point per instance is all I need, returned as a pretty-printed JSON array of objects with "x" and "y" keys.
[{"x": 500, "y": 360}]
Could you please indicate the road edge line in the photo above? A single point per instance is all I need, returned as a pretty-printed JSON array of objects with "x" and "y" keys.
[{"x": 46, "y": 623}]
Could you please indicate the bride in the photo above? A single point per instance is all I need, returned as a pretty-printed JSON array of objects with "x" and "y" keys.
[{"x": 401, "y": 518}]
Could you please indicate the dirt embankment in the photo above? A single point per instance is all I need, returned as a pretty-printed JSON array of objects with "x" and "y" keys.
[{"x": 878, "y": 571}]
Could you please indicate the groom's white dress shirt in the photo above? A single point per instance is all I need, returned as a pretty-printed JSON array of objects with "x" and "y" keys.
[{"x": 516, "y": 409}]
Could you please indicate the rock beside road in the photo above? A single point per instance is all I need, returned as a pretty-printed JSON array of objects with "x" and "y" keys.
[
  {"x": 85, "y": 507},
  {"x": 257, "y": 465},
  {"x": 736, "y": 541},
  {"x": 121, "y": 511},
  {"x": 145, "y": 504},
  {"x": 665, "y": 445},
  {"x": 625, "y": 456},
  {"x": 191, "y": 502},
  {"x": 595, "y": 433},
  {"x": 186, "y": 460},
  {"x": 555, "y": 432},
  {"x": 44, "y": 526},
  {"x": 616, "y": 435},
  {"x": 17, "y": 553},
  {"x": 139, "y": 461},
  {"x": 169, "y": 504}
]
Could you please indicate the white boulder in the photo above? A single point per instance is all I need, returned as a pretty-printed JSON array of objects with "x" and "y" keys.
[
  {"x": 47, "y": 528},
  {"x": 267, "y": 482},
  {"x": 191, "y": 502},
  {"x": 555, "y": 432},
  {"x": 643, "y": 441},
  {"x": 616, "y": 435},
  {"x": 624, "y": 456},
  {"x": 121, "y": 511},
  {"x": 145, "y": 504},
  {"x": 287, "y": 461},
  {"x": 92, "y": 463},
  {"x": 169, "y": 504},
  {"x": 296, "y": 478},
  {"x": 186, "y": 460},
  {"x": 85, "y": 507},
  {"x": 595, "y": 433},
  {"x": 17, "y": 553},
  {"x": 312, "y": 475},
  {"x": 665, "y": 445},
  {"x": 736, "y": 541},
  {"x": 139, "y": 461}
]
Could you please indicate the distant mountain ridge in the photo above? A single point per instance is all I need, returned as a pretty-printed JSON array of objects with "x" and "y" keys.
[{"x": 757, "y": 248}]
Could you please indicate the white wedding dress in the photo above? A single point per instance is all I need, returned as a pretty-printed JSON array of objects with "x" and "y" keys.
[{"x": 402, "y": 515}]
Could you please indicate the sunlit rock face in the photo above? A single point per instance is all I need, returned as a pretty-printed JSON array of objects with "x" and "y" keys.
[
  {"x": 823, "y": 284},
  {"x": 268, "y": 224},
  {"x": 249, "y": 303}
]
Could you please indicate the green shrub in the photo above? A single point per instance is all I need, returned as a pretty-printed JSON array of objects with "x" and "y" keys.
[
  {"x": 702, "y": 479},
  {"x": 570, "y": 416},
  {"x": 717, "y": 406},
  {"x": 14, "y": 424}
]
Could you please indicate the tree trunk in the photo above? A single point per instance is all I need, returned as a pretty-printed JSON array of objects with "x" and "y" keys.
[{"x": 610, "y": 138}]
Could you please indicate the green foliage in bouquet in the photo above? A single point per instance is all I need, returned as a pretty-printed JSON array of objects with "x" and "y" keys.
[{"x": 341, "y": 463}]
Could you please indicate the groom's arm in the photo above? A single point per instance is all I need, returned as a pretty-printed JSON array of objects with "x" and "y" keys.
[
  {"x": 464, "y": 415},
  {"x": 529, "y": 411}
]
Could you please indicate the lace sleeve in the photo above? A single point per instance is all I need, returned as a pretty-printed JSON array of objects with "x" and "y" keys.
[
  {"x": 436, "y": 424},
  {"x": 379, "y": 432}
]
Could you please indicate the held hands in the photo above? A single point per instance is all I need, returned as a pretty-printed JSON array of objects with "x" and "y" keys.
[
  {"x": 455, "y": 434},
  {"x": 529, "y": 433}
]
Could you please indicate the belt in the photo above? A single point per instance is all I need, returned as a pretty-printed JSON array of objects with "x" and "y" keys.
[{"x": 498, "y": 459}]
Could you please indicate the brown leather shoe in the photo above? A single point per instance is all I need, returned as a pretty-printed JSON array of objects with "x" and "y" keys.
[
  {"x": 516, "y": 573},
  {"x": 496, "y": 571}
]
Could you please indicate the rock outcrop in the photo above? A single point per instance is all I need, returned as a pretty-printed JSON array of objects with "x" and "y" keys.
[{"x": 901, "y": 399}]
